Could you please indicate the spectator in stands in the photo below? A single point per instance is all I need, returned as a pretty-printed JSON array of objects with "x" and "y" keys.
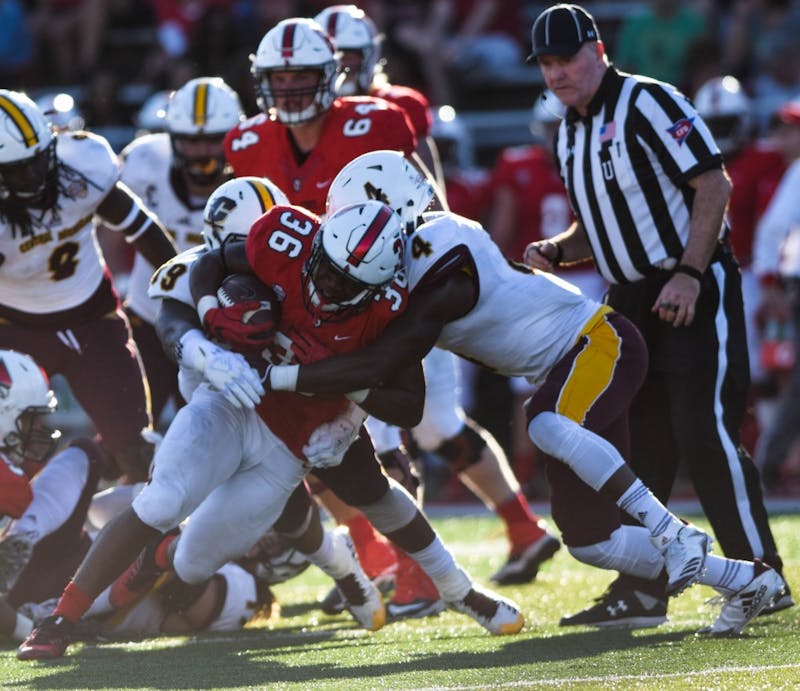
[
  {"x": 654, "y": 42},
  {"x": 777, "y": 265},
  {"x": 16, "y": 44},
  {"x": 464, "y": 41}
]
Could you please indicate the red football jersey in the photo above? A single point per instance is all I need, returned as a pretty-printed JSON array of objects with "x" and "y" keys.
[
  {"x": 755, "y": 174},
  {"x": 542, "y": 206},
  {"x": 278, "y": 246},
  {"x": 415, "y": 105},
  {"x": 353, "y": 126},
  {"x": 469, "y": 192},
  {"x": 15, "y": 490}
]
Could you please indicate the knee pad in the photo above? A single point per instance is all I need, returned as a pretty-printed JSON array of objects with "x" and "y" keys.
[
  {"x": 464, "y": 449},
  {"x": 628, "y": 549},
  {"x": 161, "y": 506},
  {"x": 394, "y": 510}
]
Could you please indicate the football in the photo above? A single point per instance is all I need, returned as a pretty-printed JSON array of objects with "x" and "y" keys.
[{"x": 238, "y": 288}]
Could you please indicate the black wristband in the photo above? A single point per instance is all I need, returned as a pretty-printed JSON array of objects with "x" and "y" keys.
[
  {"x": 555, "y": 261},
  {"x": 689, "y": 271}
]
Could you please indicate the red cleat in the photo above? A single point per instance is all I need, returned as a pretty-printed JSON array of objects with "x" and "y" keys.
[{"x": 47, "y": 641}]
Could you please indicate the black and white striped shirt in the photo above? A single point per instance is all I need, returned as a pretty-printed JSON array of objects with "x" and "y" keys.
[{"x": 626, "y": 167}]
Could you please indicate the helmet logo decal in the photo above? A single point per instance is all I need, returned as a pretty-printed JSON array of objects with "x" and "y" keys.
[
  {"x": 287, "y": 46},
  {"x": 200, "y": 109},
  {"x": 377, "y": 193},
  {"x": 264, "y": 195},
  {"x": 26, "y": 129},
  {"x": 332, "y": 21},
  {"x": 5, "y": 380},
  {"x": 372, "y": 233}
]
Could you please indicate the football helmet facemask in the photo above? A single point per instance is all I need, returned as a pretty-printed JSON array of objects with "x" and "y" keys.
[
  {"x": 28, "y": 170},
  {"x": 726, "y": 109},
  {"x": 387, "y": 176},
  {"x": 198, "y": 116},
  {"x": 25, "y": 398},
  {"x": 235, "y": 205},
  {"x": 295, "y": 45},
  {"x": 351, "y": 30},
  {"x": 356, "y": 253}
]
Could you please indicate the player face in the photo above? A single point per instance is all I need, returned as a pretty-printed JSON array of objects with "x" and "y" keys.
[
  {"x": 350, "y": 61},
  {"x": 294, "y": 90},
  {"x": 575, "y": 79},
  {"x": 26, "y": 179},
  {"x": 333, "y": 286},
  {"x": 201, "y": 157}
]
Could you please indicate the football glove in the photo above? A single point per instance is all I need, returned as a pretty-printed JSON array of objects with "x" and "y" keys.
[
  {"x": 228, "y": 372},
  {"x": 227, "y": 324},
  {"x": 306, "y": 348},
  {"x": 328, "y": 443}
]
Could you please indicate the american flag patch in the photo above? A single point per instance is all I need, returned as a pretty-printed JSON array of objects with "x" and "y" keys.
[
  {"x": 607, "y": 132},
  {"x": 681, "y": 129}
]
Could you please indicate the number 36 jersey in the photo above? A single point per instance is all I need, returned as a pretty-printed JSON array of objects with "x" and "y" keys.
[
  {"x": 523, "y": 323},
  {"x": 58, "y": 266},
  {"x": 353, "y": 126}
]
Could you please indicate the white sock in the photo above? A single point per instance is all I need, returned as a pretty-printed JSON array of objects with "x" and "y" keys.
[
  {"x": 332, "y": 557},
  {"x": 640, "y": 503},
  {"x": 727, "y": 575},
  {"x": 449, "y": 578}
]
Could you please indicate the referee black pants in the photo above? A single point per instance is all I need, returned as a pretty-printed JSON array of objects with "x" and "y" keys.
[{"x": 691, "y": 405}]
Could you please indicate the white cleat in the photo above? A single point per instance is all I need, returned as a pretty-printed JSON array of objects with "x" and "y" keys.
[
  {"x": 494, "y": 613},
  {"x": 684, "y": 557},
  {"x": 741, "y": 607},
  {"x": 363, "y": 599}
]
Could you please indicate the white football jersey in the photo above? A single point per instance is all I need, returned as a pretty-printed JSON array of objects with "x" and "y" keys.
[
  {"x": 59, "y": 266},
  {"x": 171, "y": 280},
  {"x": 146, "y": 169},
  {"x": 523, "y": 323}
]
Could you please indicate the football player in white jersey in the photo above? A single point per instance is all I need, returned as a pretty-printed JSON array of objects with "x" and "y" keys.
[
  {"x": 174, "y": 173},
  {"x": 57, "y": 301},
  {"x": 587, "y": 362}
]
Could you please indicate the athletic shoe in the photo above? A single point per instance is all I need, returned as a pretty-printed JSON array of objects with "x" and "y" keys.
[
  {"x": 523, "y": 566},
  {"x": 364, "y": 601},
  {"x": 494, "y": 613},
  {"x": 47, "y": 641},
  {"x": 684, "y": 557},
  {"x": 15, "y": 553},
  {"x": 415, "y": 594},
  {"x": 139, "y": 578},
  {"x": 779, "y": 603},
  {"x": 621, "y": 607},
  {"x": 334, "y": 602},
  {"x": 740, "y": 607}
]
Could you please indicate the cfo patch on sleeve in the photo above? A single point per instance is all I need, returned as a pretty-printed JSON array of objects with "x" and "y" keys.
[{"x": 681, "y": 129}]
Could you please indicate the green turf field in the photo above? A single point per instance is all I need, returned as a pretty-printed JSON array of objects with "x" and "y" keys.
[{"x": 307, "y": 650}]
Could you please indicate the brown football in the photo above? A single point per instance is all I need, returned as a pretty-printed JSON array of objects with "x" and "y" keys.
[{"x": 238, "y": 288}]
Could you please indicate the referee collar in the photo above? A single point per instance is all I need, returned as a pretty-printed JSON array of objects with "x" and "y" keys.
[{"x": 609, "y": 85}]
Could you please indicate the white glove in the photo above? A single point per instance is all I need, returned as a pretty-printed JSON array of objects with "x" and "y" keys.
[
  {"x": 228, "y": 372},
  {"x": 328, "y": 443}
]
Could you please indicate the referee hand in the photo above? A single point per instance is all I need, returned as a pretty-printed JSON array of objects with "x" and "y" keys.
[
  {"x": 676, "y": 301},
  {"x": 541, "y": 255}
]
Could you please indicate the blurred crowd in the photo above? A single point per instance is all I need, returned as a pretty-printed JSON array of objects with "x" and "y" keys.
[{"x": 118, "y": 60}]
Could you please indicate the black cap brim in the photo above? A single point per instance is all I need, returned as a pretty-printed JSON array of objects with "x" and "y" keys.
[{"x": 561, "y": 51}]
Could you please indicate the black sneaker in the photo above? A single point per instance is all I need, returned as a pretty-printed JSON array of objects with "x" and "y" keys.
[
  {"x": 415, "y": 609},
  {"x": 523, "y": 567},
  {"x": 47, "y": 641},
  {"x": 621, "y": 608},
  {"x": 780, "y": 603}
]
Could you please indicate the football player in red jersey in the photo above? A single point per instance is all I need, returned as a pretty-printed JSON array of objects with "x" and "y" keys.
[
  {"x": 305, "y": 135},
  {"x": 469, "y": 449}
]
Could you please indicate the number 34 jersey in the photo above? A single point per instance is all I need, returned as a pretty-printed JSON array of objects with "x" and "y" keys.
[
  {"x": 353, "y": 126},
  {"x": 58, "y": 266},
  {"x": 523, "y": 322}
]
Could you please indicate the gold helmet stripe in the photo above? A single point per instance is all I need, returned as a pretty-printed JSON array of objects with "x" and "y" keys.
[
  {"x": 201, "y": 104},
  {"x": 264, "y": 193},
  {"x": 24, "y": 125}
]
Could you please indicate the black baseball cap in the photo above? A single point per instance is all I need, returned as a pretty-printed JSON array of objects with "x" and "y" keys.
[{"x": 561, "y": 30}]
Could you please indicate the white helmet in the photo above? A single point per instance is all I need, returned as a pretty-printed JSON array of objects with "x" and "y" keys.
[
  {"x": 235, "y": 205},
  {"x": 387, "y": 176},
  {"x": 203, "y": 108},
  {"x": 295, "y": 45},
  {"x": 727, "y": 111},
  {"x": 27, "y": 148},
  {"x": 152, "y": 116},
  {"x": 351, "y": 29},
  {"x": 357, "y": 252},
  {"x": 61, "y": 111},
  {"x": 548, "y": 111},
  {"x": 25, "y": 395},
  {"x": 453, "y": 139}
]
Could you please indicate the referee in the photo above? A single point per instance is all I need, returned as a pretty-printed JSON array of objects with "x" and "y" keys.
[{"x": 649, "y": 190}]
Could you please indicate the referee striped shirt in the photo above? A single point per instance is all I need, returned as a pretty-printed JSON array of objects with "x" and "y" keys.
[{"x": 626, "y": 166}]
